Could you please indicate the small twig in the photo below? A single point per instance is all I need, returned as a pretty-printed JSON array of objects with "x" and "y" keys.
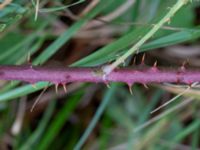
[
  {"x": 50, "y": 94},
  {"x": 89, "y": 7},
  {"x": 167, "y": 112},
  {"x": 111, "y": 16},
  {"x": 174, "y": 98},
  {"x": 38, "y": 98}
]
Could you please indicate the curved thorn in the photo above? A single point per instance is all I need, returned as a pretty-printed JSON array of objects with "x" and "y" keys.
[
  {"x": 29, "y": 57},
  {"x": 155, "y": 64},
  {"x": 107, "y": 84},
  {"x": 56, "y": 88},
  {"x": 31, "y": 66},
  {"x": 64, "y": 87},
  {"x": 145, "y": 85},
  {"x": 183, "y": 68},
  {"x": 143, "y": 59},
  {"x": 130, "y": 89}
]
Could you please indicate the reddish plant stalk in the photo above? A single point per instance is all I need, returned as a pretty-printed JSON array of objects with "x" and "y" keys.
[{"x": 33, "y": 74}]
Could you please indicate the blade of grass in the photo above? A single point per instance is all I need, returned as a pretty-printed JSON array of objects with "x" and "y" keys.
[
  {"x": 114, "y": 47},
  {"x": 36, "y": 135},
  {"x": 195, "y": 139},
  {"x": 104, "y": 136},
  {"x": 151, "y": 137},
  {"x": 98, "y": 57},
  {"x": 172, "y": 39},
  {"x": 58, "y": 122},
  {"x": 67, "y": 35},
  {"x": 53, "y": 9},
  {"x": 23, "y": 90},
  {"x": 188, "y": 130},
  {"x": 119, "y": 115},
  {"x": 145, "y": 114},
  {"x": 107, "y": 98},
  {"x": 34, "y": 48},
  {"x": 74, "y": 135},
  {"x": 156, "y": 118},
  {"x": 11, "y": 52},
  {"x": 179, "y": 4}
]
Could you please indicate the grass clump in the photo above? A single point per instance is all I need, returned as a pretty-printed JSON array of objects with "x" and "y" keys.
[{"x": 94, "y": 33}]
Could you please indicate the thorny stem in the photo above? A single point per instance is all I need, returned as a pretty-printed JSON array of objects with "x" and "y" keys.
[
  {"x": 109, "y": 68},
  {"x": 33, "y": 74}
]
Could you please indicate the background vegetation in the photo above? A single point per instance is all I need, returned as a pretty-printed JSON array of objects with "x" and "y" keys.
[{"x": 89, "y": 115}]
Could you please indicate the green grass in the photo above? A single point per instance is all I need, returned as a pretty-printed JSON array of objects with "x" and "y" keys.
[{"x": 105, "y": 118}]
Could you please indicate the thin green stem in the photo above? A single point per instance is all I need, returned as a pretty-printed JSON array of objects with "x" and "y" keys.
[
  {"x": 166, "y": 18},
  {"x": 96, "y": 117}
]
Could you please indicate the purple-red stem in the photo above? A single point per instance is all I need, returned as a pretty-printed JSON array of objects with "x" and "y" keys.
[{"x": 33, "y": 74}]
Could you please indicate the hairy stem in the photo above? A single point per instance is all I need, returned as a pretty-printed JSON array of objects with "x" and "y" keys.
[
  {"x": 108, "y": 69},
  {"x": 33, "y": 74}
]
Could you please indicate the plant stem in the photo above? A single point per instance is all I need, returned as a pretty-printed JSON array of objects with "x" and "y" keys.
[
  {"x": 109, "y": 68},
  {"x": 33, "y": 74}
]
